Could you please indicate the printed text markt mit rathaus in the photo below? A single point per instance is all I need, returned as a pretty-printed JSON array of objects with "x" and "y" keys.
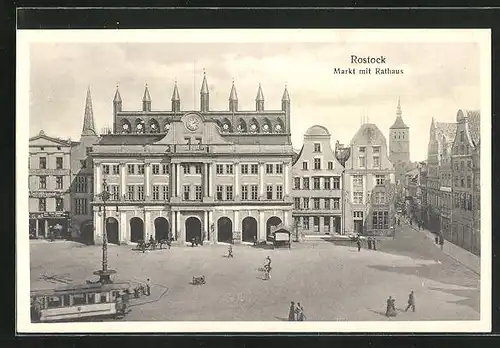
[{"x": 367, "y": 71}]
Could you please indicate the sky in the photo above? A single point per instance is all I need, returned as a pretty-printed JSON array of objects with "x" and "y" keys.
[{"x": 438, "y": 80}]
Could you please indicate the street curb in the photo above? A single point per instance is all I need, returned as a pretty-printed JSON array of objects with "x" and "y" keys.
[{"x": 447, "y": 254}]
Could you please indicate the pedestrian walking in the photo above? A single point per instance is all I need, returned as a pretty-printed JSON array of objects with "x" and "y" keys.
[
  {"x": 374, "y": 243},
  {"x": 399, "y": 222},
  {"x": 391, "y": 307},
  {"x": 230, "y": 252},
  {"x": 358, "y": 242},
  {"x": 300, "y": 314},
  {"x": 291, "y": 312},
  {"x": 411, "y": 302},
  {"x": 148, "y": 287},
  {"x": 441, "y": 241}
]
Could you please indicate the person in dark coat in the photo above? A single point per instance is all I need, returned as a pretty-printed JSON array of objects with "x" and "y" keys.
[
  {"x": 411, "y": 302},
  {"x": 300, "y": 312},
  {"x": 148, "y": 287},
  {"x": 291, "y": 313},
  {"x": 391, "y": 307},
  {"x": 358, "y": 242},
  {"x": 374, "y": 243}
]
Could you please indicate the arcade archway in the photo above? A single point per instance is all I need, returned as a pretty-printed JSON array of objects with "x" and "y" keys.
[
  {"x": 193, "y": 228},
  {"x": 136, "y": 229},
  {"x": 224, "y": 230},
  {"x": 271, "y": 222},
  {"x": 162, "y": 228},
  {"x": 112, "y": 230},
  {"x": 249, "y": 229}
]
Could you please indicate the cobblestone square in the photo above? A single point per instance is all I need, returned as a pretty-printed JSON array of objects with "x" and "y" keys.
[{"x": 332, "y": 282}]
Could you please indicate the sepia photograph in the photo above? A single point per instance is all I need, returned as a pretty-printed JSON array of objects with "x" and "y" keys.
[{"x": 240, "y": 180}]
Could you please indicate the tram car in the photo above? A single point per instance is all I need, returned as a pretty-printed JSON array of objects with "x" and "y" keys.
[{"x": 79, "y": 302}]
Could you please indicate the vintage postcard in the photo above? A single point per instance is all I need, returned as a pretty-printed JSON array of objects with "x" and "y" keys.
[{"x": 253, "y": 181}]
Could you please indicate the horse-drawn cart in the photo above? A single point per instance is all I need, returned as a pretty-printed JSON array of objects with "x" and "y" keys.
[{"x": 282, "y": 237}]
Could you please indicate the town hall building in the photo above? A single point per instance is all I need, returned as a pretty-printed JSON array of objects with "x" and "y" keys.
[{"x": 220, "y": 176}]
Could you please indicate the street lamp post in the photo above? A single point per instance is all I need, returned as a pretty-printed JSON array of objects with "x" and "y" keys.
[
  {"x": 342, "y": 154},
  {"x": 104, "y": 273}
]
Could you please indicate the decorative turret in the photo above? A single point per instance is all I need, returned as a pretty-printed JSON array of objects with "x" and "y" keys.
[
  {"x": 233, "y": 99},
  {"x": 88, "y": 118},
  {"x": 399, "y": 124},
  {"x": 285, "y": 100},
  {"x": 146, "y": 100},
  {"x": 259, "y": 100},
  {"x": 204, "y": 95},
  {"x": 399, "y": 141},
  {"x": 176, "y": 100},
  {"x": 117, "y": 102}
]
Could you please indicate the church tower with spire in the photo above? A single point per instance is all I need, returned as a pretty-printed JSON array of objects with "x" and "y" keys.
[
  {"x": 88, "y": 117},
  {"x": 399, "y": 139},
  {"x": 146, "y": 100},
  {"x": 176, "y": 100},
  {"x": 259, "y": 100}
]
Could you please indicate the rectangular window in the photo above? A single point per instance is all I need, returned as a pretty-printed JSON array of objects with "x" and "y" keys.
[
  {"x": 269, "y": 168},
  {"x": 165, "y": 169},
  {"x": 88, "y": 150},
  {"x": 140, "y": 192},
  {"x": 105, "y": 169},
  {"x": 326, "y": 224},
  {"x": 316, "y": 223},
  {"x": 219, "y": 169},
  {"x": 296, "y": 203},
  {"x": 330, "y": 165},
  {"x": 218, "y": 194},
  {"x": 305, "y": 223},
  {"x": 140, "y": 169},
  {"x": 156, "y": 169},
  {"x": 304, "y": 165},
  {"x": 269, "y": 192},
  {"x": 316, "y": 203},
  {"x": 357, "y": 180},
  {"x": 43, "y": 182},
  {"x": 362, "y": 149},
  {"x": 42, "y": 204},
  {"x": 81, "y": 206},
  {"x": 386, "y": 220},
  {"x": 130, "y": 192},
  {"x": 326, "y": 183},
  {"x": 255, "y": 195},
  {"x": 244, "y": 169},
  {"x": 336, "y": 203},
  {"x": 229, "y": 169},
  {"x": 296, "y": 183},
  {"x": 59, "y": 204},
  {"x": 59, "y": 182},
  {"x": 254, "y": 168},
  {"x": 244, "y": 192},
  {"x": 186, "y": 168},
  {"x": 317, "y": 147},
  {"x": 279, "y": 168},
  {"x": 380, "y": 179},
  {"x": 198, "y": 192},
  {"x": 357, "y": 198},
  {"x": 376, "y": 150},
  {"x": 279, "y": 192},
  {"x": 317, "y": 164},
  {"x": 316, "y": 183},
  {"x": 59, "y": 163},
  {"x": 461, "y": 136},
  {"x": 116, "y": 169},
  {"x": 186, "y": 193},
  {"x": 462, "y": 182},
  {"x": 306, "y": 203},
  {"x": 156, "y": 192},
  {"x": 197, "y": 168},
  {"x": 469, "y": 181},
  {"x": 336, "y": 183},
  {"x": 362, "y": 161},
  {"x": 131, "y": 168},
  {"x": 115, "y": 192},
  {"x": 229, "y": 192},
  {"x": 376, "y": 161},
  {"x": 43, "y": 163},
  {"x": 327, "y": 204},
  {"x": 305, "y": 183},
  {"x": 165, "y": 193},
  {"x": 81, "y": 184}
]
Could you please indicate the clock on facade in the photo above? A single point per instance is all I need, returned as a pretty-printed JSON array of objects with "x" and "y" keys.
[{"x": 192, "y": 123}]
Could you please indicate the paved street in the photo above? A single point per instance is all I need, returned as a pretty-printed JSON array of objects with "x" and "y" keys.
[{"x": 333, "y": 282}]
